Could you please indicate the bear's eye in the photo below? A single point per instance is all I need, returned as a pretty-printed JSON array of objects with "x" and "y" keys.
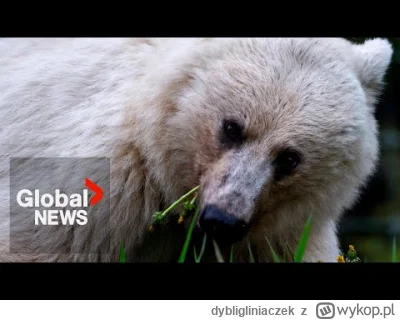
[
  {"x": 232, "y": 132},
  {"x": 285, "y": 163}
]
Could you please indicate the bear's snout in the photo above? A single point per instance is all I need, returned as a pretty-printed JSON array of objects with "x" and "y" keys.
[{"x": 222, "y": 226}]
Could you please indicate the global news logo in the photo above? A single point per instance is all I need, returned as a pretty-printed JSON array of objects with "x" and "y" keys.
[
  {"x": 325, "y": 310},
  {"x": 58, "y": 214}
]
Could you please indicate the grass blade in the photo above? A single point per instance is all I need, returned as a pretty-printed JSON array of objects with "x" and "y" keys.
[
  {"x": 218, "y": 254},
  {"x": 289, "y": 251},
  {"x": 231, "y": 255},
  {"x": 251, "y": 257},
  {"x": 394, "y": 251},
  {"x": 185, "y": 248},
  {"x": 196, "y": 259},
  {"x": 274, "y": 255},
  {"x": 203, "y": 246},
  {"x": 122, "y": 252},
  {"x": 301, "y": 247}
]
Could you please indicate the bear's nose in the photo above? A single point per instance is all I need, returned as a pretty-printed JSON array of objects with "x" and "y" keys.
[{"x": 221, "y": 226}]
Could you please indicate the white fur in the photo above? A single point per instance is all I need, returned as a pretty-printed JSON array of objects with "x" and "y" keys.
[{"x": 152, "y": 106}]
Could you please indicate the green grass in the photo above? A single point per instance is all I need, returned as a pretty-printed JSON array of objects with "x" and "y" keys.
[
  {"x": 202, "y": 250},
  {"x": 191, "y": 210},
  {"x": 394, "y": 251},
  {"x": 185, "y": 248},
  {"x": 301, "y": 247},
  {"x": 122, "y": 252}
]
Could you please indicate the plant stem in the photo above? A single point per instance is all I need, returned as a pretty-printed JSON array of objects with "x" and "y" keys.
[
  {"x": 172, "y": 206},
  {"x": 182, "y": 257}
]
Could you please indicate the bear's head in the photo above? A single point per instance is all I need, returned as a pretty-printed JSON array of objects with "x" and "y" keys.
[{"x": 275, "y": 130}]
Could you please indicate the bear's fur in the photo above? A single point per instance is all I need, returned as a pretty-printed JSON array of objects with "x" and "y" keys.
[{"x": 155, "y": 108}]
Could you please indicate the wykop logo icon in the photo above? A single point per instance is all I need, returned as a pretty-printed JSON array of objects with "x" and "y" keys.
[{"x": 325, "y": 310}]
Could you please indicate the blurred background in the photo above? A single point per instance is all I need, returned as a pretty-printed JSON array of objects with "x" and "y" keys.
[{"x": 374, "y": 222}]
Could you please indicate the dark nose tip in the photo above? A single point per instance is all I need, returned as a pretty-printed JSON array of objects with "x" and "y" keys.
[{"x": 222, "y": 226}]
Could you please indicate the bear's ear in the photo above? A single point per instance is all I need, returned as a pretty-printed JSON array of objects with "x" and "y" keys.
[{"x": 372, "y": 61}]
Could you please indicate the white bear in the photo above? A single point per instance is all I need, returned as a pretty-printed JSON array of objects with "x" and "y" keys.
[{"x": 272, "y": 130}]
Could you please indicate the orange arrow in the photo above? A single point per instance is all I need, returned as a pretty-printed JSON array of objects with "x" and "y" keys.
[{"x": 96, "y": 189}]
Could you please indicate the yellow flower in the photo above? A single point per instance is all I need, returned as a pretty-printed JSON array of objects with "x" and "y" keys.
[
  {"x": 340, "y": 259},
  {"x": 180, "y": 219},
  {"x": 351, "y": 248}
]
